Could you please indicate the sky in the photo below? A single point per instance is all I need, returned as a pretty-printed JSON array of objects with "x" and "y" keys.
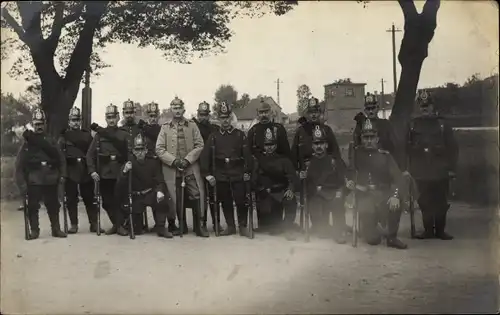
[{"x": 315, "y": 44}]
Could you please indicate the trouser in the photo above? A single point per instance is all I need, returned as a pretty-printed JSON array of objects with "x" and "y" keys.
[
  {"x": 320, "y": 209},
  {"x": 373, "y": 211},
  {"x": 87, "y": 193},
  {"x": 109, "y": 196},
  {"x": 433, "y": 203},
  {"x": 191, "y": 195},
  {"x": 210, "y": 192},
  {"x": 229, "y": 192},
  {"x": 161, "y": 211},
  {"x": 47, "y": 194},
  {"x": 270, "y": 210}
]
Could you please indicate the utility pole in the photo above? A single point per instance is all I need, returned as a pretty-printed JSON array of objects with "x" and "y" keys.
[
  {"x": 87, "y": 100},
  {"x": 393, "y": 30},
  {"x": 278, "y": 90},
  {"x": 382, "y": 97}
]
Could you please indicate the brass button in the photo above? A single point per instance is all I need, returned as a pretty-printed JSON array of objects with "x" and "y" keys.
[{"x": 44, "y": 163}]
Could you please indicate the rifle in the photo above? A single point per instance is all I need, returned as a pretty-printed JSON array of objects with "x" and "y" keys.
[
  {"x": 130, "y": 214},
  {"x": 97, "y": 189},
  {"x": 410, "y": 193},
  {"x": 181, "y": 214},
  {"x": 355, "y": 212},
  {"x": 304, "y": 210},
  {"x": 27, "y": 233},
  {"x": 250, "y": 197},
  {"x": 63, "y": 192},
  {"x": 215, "y": 203}
]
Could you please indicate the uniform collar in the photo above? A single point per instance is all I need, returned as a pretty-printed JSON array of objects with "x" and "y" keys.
[
  {"x": 229, "y": 131},
  {"x": 183, "y": 121}
]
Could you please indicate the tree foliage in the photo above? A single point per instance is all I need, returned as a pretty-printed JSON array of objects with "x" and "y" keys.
[
  {"x": 16, "y": 113},
  {"x": 303, "y": 95},
  {"x": 226, "y": 93}
]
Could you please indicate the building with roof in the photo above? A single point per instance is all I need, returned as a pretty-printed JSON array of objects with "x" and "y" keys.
[
  {"x": 247, "y": 115},
  {"x": 343, "y": 100}
]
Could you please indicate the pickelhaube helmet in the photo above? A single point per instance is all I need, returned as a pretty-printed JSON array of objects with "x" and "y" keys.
[
  {"x": 152, "y": 108},
  {"x": 370, "y": 100},
  {"x": 38, "y": 115},
  {"x": 224, "y": 110},
  {"x": 128, "y": 105},
  {"x": 74, "y": 112},
  {"x": 368, "y": 128},
  {"x": 111, "y": 110},
  {"x": 263, "y": 105},
  {"x": 269, "y": 137},
  {"x": 204, "y": 107},
  {"x": 177, "y": 101},
  {"x": 318, "y": 135},
  {"x": 424, "y": 98},
  {"x": 313, "y": 104},
  {"x": 139, "y": 142}
]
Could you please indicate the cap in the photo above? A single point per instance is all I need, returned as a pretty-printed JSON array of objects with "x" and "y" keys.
[
  {"x": 38, "y": 115},
  {"x": 269, "y": 137},
  {"x": 139, "y": 142},
  {"x": 204, "y": 107},
  {"x": 370, "y": 100},
  {"x": 224, "y": 110},
  {"x": 318, "y": 135},
  {"x": 111, "y": 110},
  {"x": 177, "y": 101},
  {"x": 74, "y": 112},
  {"x": 152, "y": 108},
  {"x": 368, "y": 128}
]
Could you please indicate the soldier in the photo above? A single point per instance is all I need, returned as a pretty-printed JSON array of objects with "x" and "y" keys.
[
  {"x": 206, "y": 128},
  {"x": 40, "y": 168},
  {"x": 148, "y": 189},
  {"x": 233, "y": 166},
  {"x": 384, "y": 127},
  {"x": 276, "y": 183},
  {"x": 325, "y": 189},
  {"x": 178, "y": 147},
  {"x": 377, "y": 181},
  {"x": 110, "y": 147},
  {"x": 74, "y": 143},
  {"x": 431, "y": 159}
]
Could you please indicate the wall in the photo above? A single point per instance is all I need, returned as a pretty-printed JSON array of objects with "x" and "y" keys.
[{"x": 341, "y": 108}]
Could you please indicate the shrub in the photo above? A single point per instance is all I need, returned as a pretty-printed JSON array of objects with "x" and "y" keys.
[{"x": 8, "y": 185}]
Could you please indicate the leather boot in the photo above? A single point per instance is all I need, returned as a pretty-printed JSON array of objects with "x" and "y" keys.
[
  {"x": 163, "y": 232},
  {"x": 55, "y": 226},
  {"x": 441, "y": 224},
  {"x": 73, "y": 229},
  {"x": 121, "y": 231},
  {"x": 93, "y": 228},
  {"x": 396, "y": 243},
  {"x": 172, "y": 228},
  {"x": 198, "y": 226},
  {"x": 231, "y": 230},
  {"x": 112, "y": 230},
  {"x": 34, "y": 234},
  {"x": 243, "y": 230}
]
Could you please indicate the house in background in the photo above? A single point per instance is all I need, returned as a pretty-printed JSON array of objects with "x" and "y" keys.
[
  {"x": 246, "y": 115},
  {"x": 343, "y": 100}
]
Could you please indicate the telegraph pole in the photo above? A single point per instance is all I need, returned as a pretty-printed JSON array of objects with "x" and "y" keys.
[
  {"x": 393, "y": 30},
  {"x": 278, "y": 90},
  {"x": 87, "y": 100},
  {"x": 382, "y": 97}
]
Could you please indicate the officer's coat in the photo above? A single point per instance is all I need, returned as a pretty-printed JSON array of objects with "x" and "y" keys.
[{"x": 166, "y": 150}]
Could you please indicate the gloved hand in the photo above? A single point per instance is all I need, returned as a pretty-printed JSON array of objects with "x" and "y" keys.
[
  {"x": 28, "y": 134},
  {"x": 159, "y": 196},
  {"x": 141, "y": 124},
  {"x": 393, "y": 203},
  {"x": 246, "y": 177},
  {"x": 95, "y": 176},
  {"x": 176, "y": 163},
  {"x": 289, "y": 194},
  {"x": 211, "y": 180},
  {"x": 184, "y": 164},
  {"x": 127, "y": 167},
  {"x": 350, "y": 184},
  {"x": 94, "y": 127}
]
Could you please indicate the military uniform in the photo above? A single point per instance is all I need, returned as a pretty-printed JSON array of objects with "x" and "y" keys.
[
  {"x": 74, "y": 143},
  {"x": 377, "y": 178},
  {"x": 110, "y": 147},
  {"x": 150, "y": 131},
  {"x": 232, "y": 161},
  {"x": 147, "y": 181},
  {"x": 206, "y": 129},
  {"x": 130, "y": 126},
  {"x": 40, "y": 168},
  {"x": 325, "y": 191},
  {"x": 431, "y": 157},
  {"x": 275, "y": 175}
]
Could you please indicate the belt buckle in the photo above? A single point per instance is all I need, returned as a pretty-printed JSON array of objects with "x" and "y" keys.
[
  {"x": 78, "y": 160},
  {"x": 112, "y": 157},
  {"x": 426, "y": 149},
  {"x": 226, "y": 160},
  {"x": 44, "y": 163},
  {"x": 372, "y": 187}
]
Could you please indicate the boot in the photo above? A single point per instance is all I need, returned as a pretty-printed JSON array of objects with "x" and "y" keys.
[
  {"x": 172, "y": 228},
  {"x": 427, "y": 234},
  {"x": 441, "y": 224},
  {"x": 73, "y": 229},
  {"x": 444, "y": 236},
  {"x": 121, "y": 231},
  {"x": 394, "y": 242},
  {"x": 229, "y": 231},
  {"x": 112, "y": 230},
  {"x": 56, "y": 227},
  {"x": 163, "y": 232},
  {"x": 243, "y": 230},
  {"x": 199, "y": 228},
  {"x": 34, "y": 234},
  {"x": 93, "y": 228}
]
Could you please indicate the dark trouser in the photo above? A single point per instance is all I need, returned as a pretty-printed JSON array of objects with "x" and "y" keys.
[
  {"x": 227, "y": 192},
  {"x": 139, "y": 203},
  {"x": 434, "y": 204},
  {"x": 270, "y": 211},
  {"x": 320, "y": 209},
  {"x": 191, "y": 195},
  {"x": 37, "y": 193},
  {"x": 87, "y": 193},
  {"x": 210, "y": 192},
  {"x": 374, "y": 211},
  {"x": 109, "y": 198}
]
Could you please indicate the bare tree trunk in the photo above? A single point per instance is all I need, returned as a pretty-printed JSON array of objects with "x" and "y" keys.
[{"x": 56, "y": 102}]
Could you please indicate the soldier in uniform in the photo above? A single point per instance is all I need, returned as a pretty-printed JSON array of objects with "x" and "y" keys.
[
  {"x": 148, "y": 189},
  {"x": 233, "y": 166},
  {"x": 276, "y": 183},
  {"x": 40, "y": 168},
  {"x": 377, "y": 182},
  {"x": 431, "y": 157},
  {"x": 384, "y": 127},
  {"x": 325, "y": 189},
  {"x": 178, "y": 147},
  {"x": 206, "y": 128},
  {"x": 110, "y": 147},
  {"x": 74, "y": 143}
]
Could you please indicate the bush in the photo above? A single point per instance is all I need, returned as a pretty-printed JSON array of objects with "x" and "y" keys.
[{"x": 8, "y": 185}]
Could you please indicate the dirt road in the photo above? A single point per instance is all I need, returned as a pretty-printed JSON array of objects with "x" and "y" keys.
[{"x": 87, "y": 274}]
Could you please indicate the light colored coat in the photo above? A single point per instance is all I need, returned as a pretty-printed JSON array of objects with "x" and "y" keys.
[{"x": 166, "y": 150}]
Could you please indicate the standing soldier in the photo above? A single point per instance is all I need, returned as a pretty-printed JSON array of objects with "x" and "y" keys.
[
  {"x": 383, "y": 126},
  {"x": 230, "y": 169},
  {"x": 40, "y": 168},
  {"x": 110, "y": 147},
  {"x": 377, "y": 181},
  {"x": 276, "y": 183},
  {"x": 325, "y": 189},
  {"x": 74, "y": 143},
  {"x": 148, "y": 189},
  {"x": 431, "y": 157},
  {"x": 206, "y": 128},
  {"x": 178, "y": 147}
]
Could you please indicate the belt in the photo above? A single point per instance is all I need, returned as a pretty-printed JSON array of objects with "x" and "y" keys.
[
  {"x": 229, "y": 161},
  {"x": 370, "y": 187},
  {"x": 75, "y": 159},
  {"x": 142, "y": 192},
  {"x": 109, "y": 157},
  {"x": 37, "y": 165}
]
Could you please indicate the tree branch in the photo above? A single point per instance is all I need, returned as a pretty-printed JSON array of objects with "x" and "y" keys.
[
  {"x": 60, "y": 21},
  {"x": 409, "y": 9},
  {"x": 430, "y": 11},
  {"x": 31, "y": 21},
  {"x": 15, "y": 26}
]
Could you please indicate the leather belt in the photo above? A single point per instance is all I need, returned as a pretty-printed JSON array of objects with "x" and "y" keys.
[{"x": 142, "y": 192}]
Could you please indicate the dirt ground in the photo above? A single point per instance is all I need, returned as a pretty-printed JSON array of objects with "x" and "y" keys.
[{"x": 87, "y": 274}]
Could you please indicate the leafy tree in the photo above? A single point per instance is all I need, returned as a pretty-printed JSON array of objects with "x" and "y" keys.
[
  {"x": 475, "y": 78},
  {"x": 243, "y": 101},
  {"x": 226, "y": 93},
  {"x": 16, "y": 112},
  {"x": 60, "y": 40},
  {"x": 303, "y": 95}
]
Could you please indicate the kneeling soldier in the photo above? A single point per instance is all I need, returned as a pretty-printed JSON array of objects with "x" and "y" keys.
[
  {"x": 148, "y": 189},
  {"x": 40, "y": 168},
  {"x": 376, "y": 181},
  {"x": 325, "y": 184}
]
